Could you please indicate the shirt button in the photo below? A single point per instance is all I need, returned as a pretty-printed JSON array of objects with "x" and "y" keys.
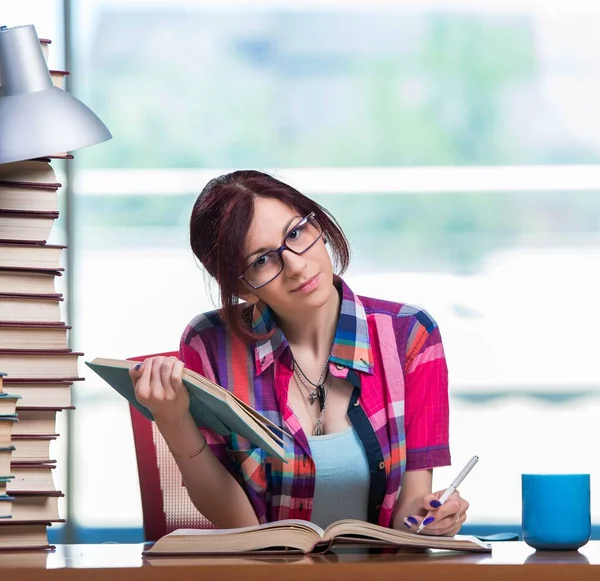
[
  {"x": 381, "y": 465},
  {"x": 301, "y": 506}
]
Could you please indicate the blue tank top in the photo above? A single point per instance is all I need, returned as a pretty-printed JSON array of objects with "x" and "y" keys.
[{"x": 342, "y": 482}]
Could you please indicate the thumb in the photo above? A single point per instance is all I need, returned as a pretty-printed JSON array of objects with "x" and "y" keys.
[
  {"x": 431, "y": 502},
  {"x": 136, "y": 371}
]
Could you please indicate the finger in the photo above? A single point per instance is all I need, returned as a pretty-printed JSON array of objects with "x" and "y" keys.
[
  {"x": 135, "y": 371},
  {"x": 431, "y": 501},
  {"x": 464, "y": 506},
  {"x": 156, "y": 383},
  {"x": 446, "y": 523},
  {"x": 448, "y": 526},
  {"x": 452, "y": 528},
  {"x": 435, "y": 523},
  {"x": 441, "y": 526},
  {"x": 166, "y": 374},
  {"x": 426, "y": 521},
  {"x": 450, "y": 507},
  {"x": 462, "y": 517},
  {"x": 412, "y": 523},
  {"x": 176, "y": 375},
  {"x": 451, "y": 524},
  {"x": 142, "y": 384}
]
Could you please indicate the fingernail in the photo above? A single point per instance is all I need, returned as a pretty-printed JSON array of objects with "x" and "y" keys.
[
  {"x": 435, "y": 503},
  {"x": 428, "y": 521},
  {"x": 412, "y": 519},
  {"x": 137, "y": 367}
]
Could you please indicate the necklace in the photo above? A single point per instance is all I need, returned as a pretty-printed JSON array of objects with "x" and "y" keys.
[
  {"x": 319, "y": 388},
  {"x": 313, "y": 394},
  {"x": 318, "y": 427}
]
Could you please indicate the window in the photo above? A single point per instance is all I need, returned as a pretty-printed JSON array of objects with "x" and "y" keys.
[{"x": 458, "y": 147}]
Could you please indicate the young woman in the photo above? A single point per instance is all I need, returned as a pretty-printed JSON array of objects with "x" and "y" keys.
[{"x": 359, "y": 383}]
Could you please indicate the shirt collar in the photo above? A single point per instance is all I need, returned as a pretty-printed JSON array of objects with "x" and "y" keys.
[{"x": 351, "y": 346}]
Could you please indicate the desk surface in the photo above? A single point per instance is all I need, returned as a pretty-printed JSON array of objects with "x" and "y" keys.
[{"x": 508, "y": 560}]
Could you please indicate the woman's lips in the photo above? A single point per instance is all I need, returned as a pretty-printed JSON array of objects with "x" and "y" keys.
[{"x": 310, "y": 285}]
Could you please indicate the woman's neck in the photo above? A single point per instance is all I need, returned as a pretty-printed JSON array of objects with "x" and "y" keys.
[{"x": 311, "y": 334}]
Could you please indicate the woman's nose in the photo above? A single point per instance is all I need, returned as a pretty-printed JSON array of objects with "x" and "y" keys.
[{"x": 293, "y": 264}]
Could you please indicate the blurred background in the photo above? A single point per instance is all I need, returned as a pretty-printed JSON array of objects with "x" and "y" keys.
[{"x": 457, "y": 143}]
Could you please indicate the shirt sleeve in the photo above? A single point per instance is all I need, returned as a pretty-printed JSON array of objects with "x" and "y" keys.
[
  {"x": 193, "y": 353},
  {"x": 426, "y": 412}
]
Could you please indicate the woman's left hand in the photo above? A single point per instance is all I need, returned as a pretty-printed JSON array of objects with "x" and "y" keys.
[{"x": 444, "y": 520}]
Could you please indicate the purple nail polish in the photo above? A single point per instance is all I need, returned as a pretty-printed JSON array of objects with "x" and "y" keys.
[
  {"x": 428, "y": 520},
  {"x": 137, "y": 367},
  {"x": 406, "y": 525},
  {"x": 435, "y": 503},
  {"x": 412, "y": 519}
]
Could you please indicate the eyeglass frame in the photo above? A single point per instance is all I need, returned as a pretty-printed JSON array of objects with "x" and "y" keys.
[{"x": 284, "y": 246}]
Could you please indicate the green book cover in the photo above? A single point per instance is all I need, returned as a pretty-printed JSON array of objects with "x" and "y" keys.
[{"x": 211, "y": 406}]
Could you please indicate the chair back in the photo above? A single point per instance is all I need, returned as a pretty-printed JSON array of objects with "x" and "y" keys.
[{"x": 166, "y": 505}]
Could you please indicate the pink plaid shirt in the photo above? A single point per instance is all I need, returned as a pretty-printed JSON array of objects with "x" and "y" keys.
[{"x": 391, "y": 353}]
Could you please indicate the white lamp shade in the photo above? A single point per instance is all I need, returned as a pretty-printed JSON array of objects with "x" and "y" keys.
[{"x": 36, "y": 118}]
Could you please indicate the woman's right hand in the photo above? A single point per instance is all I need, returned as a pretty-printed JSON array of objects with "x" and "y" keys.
[
  {"x": 211, "y": 487},
  {"x": 159, "y": 387}
]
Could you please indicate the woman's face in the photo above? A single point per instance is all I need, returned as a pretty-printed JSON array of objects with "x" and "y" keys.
[{"x": 306, "y": 281}]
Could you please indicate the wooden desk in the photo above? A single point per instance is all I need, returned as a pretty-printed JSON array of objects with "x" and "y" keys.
[{"x": 513, "y": 561}]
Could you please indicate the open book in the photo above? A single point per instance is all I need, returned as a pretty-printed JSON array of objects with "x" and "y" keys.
[
  {"x": 211, "y": 405},
  {"x": 302, "y": 536}
]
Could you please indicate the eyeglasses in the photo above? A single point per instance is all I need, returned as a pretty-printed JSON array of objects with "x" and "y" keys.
[{"x": 268, "y": 266}]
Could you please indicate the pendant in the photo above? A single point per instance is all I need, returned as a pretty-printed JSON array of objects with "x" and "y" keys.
[
  {"x": 321, "y": 395},
  {"x": 313, "y": 395},
  {"x": 318, "y": 427}
]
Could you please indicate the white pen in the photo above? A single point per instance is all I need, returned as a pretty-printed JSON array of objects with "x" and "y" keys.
[{"x": 448, "y": 492}]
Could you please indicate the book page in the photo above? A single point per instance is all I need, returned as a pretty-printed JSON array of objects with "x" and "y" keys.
[
  {"x": 349, "y": 528},
  {"x": 286, "y": 523},
  {"x": 225, "y": 395}
]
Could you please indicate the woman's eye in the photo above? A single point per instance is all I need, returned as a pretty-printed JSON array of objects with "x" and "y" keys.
[
  {"x": 261, "y": 261},
  {"x": 295, "y": 233}
]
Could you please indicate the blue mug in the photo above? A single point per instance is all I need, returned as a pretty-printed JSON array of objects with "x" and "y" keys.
[{"x": 556, "y": 511}]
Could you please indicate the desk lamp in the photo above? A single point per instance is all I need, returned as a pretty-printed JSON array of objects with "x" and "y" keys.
[{"x": 36, "y": 118}]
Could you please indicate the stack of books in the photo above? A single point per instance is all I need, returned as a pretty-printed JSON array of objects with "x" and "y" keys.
[{"x": 37, "y": 366}]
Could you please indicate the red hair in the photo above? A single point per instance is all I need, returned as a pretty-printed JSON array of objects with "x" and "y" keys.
[{"x": 219, "y": 225}]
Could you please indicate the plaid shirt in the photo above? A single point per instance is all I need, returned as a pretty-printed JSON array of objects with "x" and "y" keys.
[{"x": 391, "y": 353}]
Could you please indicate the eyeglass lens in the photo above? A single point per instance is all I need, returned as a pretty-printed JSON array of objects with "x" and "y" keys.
[{"x": 268, "y": 265}]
